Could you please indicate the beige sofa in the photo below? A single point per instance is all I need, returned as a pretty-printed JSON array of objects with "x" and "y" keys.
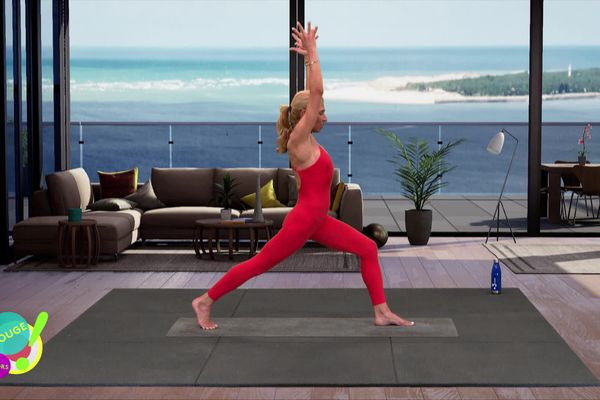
[{"x": 188, "y": 194}]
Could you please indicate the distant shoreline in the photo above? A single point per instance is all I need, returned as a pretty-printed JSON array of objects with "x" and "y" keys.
[
  {"x": 426, "y": 90},
  {"x": 505, "y": 99},
  {"x": 556, "y": 85}
]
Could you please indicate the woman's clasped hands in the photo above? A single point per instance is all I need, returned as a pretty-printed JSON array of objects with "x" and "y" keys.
[{"x": 305, "y": 40}]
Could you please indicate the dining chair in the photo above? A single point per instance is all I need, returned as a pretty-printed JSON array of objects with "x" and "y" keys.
[
  {"x": 589, "y": 176},
  {"x": 570, "y": 183}
]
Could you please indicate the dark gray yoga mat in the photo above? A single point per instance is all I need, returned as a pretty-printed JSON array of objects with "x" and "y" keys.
[
  {"x": 123, "y": 339},
  {"x": 313, "y": 327}
]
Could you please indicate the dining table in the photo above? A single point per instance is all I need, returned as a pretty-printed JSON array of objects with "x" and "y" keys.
[{"x": 551, "y": 177}]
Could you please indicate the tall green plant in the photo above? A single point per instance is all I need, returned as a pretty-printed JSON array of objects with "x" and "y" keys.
[
  {"x": 420, "y": 169},
  {"x": 225, "y": 191}
]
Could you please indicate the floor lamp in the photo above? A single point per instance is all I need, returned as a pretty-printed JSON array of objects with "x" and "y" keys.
[{"x": 495, "y": 147}]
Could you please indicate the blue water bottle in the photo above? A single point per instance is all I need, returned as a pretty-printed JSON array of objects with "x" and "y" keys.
[{"x": 496, "y": 277}]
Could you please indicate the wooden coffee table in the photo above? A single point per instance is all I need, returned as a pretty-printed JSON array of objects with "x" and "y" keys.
[{"x": 215, "y": 224}]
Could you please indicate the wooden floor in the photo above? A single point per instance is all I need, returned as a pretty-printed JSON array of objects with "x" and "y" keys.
[
  {"x": 570, "y": 303},
  {"x": 473, "y": 214}
]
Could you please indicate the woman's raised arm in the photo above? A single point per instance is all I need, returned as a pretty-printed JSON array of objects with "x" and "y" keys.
[{"x": 306, "y": 45}]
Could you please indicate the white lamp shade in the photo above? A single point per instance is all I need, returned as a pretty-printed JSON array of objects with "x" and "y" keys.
[{"x": 496, "y": 143}]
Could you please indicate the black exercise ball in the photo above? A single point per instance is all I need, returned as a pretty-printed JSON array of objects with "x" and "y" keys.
[{"x": 376, "y": 232}]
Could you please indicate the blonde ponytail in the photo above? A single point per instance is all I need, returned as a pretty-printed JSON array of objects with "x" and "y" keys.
[
  {"x": 284, "y": 128},
  {"x": 288, "y": 117}
]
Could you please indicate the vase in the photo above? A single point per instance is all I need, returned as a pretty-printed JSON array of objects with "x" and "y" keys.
[
  {"x": 226, "y": 213},
  {"x": 258, "y": 216},
  {"x": 418, "y": 226},
  {"x": 582, "y": 160}
]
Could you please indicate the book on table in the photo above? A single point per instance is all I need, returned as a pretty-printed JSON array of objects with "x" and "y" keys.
[{"x": 242, "y": 220}]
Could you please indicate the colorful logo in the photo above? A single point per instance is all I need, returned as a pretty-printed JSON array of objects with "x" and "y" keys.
[{"x": 20, "y": 343}]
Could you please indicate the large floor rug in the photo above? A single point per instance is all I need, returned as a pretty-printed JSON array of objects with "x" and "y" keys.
[
  {"x": 548, "y": 258},
  {"x": 182, "y": 259},
  {"x": 462, "y": 337}
]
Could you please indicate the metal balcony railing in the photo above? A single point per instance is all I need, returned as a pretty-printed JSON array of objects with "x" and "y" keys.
[{"x": 362, "y": 154}]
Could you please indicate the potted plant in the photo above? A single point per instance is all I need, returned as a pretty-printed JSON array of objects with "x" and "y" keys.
[
  {"x": 582, "y": 156},
  {"x": 225, "y": 195},
  {"x": 419, "y": 171}
]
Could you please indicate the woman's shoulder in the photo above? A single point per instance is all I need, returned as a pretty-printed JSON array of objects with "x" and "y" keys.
[
  {"x": 301, "y": 153},
  {"x": 300, "y": 146}
]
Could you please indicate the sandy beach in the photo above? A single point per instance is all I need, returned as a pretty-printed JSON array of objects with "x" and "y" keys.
[{"x": 391, "y": 90}]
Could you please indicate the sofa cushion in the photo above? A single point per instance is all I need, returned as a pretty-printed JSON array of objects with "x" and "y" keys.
[
  {"x": 111, "y": 225},
  {"x": 267, "y": 197},
  {"x": 38, "y": 235},
  {"x": 282, "y": 186},
  {"x": 180, "y": 217},
  {"x": 116, "y": 224},
  {"x": 118, "y": 184},
  {"x": 37, "y": 228},
  {"x": 177, "y": 187},
  {"x": 292, "y": 190},
  {"x": 145, "y": 198},
  {"x": 40, "y": 203},
  {"x": 112, "y": 204},
  {"x": 69, "y": 189},
  {"x": 245, "y": 179}
]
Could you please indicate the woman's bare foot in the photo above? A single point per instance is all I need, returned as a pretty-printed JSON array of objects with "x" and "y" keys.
[
  {"x": 385, "y": 316},
  {"x": 202, "y": 306}
]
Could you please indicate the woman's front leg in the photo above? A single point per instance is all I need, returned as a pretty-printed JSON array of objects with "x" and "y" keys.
[{"x": 338, "y": 235}]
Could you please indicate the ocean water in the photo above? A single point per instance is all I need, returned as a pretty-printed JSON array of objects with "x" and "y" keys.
[
  {"x": 135, "y": 84},
  {"x": 249, "y": 85}
]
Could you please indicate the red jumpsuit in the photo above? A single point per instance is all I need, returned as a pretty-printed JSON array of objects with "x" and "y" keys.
[{"x": 309, "y": 220}]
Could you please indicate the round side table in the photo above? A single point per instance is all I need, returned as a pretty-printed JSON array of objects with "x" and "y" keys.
[
  {"x": 215, "y": 224},
  {"x": 71, "y": 242}
]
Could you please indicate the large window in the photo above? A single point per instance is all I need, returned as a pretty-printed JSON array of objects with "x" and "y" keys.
[
  {"x": 571, "y": 101},
  {"x": 10, "y": 113},
  {"x": 571, "y": 79},
  {"x": 455, "y": 66},
  {"x": 24, "y": 133},
  {"x": 47, "y": 86},
  {"x": 176, "y": 61},
  {"x": 411, "y": 60}
]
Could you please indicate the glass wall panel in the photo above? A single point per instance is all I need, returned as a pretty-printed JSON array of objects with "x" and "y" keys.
[
  {"x": 226, "y": 61},
  {"x": 571, "y": 100},
  {"x": 47, "y": 87},
  {"x": 456, "y": 69},
  {"x": 120, "y": 147},
  {"x": 24, "y": 117},
  {"x": 10, "y": 126}
]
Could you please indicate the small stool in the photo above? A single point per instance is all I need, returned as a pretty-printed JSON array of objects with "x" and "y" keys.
[{"x": 73, "y": 232}]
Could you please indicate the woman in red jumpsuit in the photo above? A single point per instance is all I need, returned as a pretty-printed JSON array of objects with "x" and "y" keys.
[{"x": 309, "y": 218}]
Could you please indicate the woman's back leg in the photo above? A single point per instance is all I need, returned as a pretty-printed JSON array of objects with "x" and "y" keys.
[{"x": 338, "y": 235}]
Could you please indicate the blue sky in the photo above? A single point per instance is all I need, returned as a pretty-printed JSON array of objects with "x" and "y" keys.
[{"x": 352, "y": 23}]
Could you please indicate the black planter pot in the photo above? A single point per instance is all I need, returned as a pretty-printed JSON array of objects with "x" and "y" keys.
[{"x": 418, "y": 226}]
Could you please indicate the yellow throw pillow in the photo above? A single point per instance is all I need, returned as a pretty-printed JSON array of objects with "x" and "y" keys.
[
  {"x": 267, "y": 197},
  {"x": 339, "y": 191}
]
